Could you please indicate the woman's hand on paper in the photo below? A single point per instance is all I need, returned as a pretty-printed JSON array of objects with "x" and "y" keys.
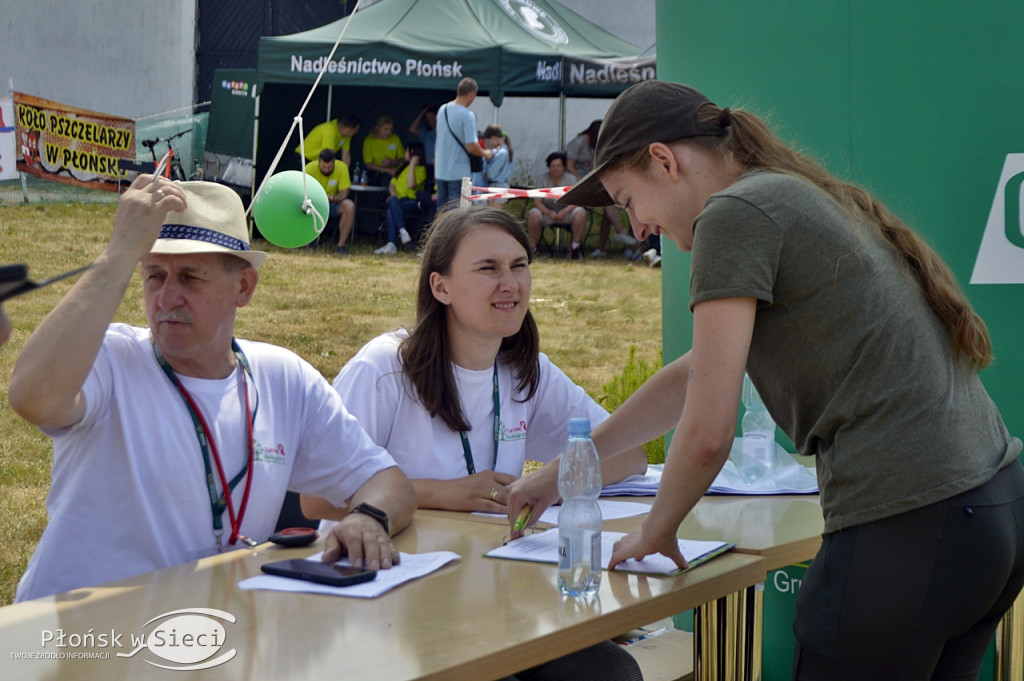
[{"x": 635, "y": 545}]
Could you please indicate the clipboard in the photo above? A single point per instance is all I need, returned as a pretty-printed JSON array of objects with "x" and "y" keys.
[{"x": 14, "y": 280}]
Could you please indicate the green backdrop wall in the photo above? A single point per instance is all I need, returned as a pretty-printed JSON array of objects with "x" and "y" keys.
[{"x": 919, "y": 101}]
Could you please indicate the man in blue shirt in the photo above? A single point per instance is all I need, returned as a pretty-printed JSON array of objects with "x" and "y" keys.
[{"x": 456, "y": 141}]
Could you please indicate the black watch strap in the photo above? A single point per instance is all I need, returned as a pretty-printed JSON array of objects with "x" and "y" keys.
[{"x": 375, "y": 513}]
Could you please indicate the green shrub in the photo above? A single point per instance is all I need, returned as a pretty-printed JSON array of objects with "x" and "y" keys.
[{"x": 614, "y": 393}]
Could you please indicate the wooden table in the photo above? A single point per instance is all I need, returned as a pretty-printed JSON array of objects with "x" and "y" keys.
[
  {"x": 781, "y": 529},
  {"x": 477, "y": 619}
]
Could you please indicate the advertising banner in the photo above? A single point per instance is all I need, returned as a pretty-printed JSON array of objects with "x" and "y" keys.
[
  {"x": 605, "y": 76},
  {"x": 70, "y": 145},
  {"x": 232, "y": 112},
  {"x": 8, "y": 147}
]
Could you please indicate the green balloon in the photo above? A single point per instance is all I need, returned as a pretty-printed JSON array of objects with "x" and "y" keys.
[{"x": 279, "y": 214}]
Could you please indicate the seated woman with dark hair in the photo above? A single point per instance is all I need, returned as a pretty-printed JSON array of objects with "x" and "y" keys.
[
  {"x": 408, "y": 196},
  {"x": 460, "y": 399}
]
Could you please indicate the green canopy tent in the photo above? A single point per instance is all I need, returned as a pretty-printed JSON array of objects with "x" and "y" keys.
[
  {"x": 508, "y": 46},
  {"x": 398, "y": 56}
]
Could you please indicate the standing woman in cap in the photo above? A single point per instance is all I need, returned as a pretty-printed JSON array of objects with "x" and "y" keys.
[{"x": 867, "y": 355}]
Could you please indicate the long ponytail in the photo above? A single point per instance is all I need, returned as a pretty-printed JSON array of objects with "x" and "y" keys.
[{"x": 754, "y": 145}]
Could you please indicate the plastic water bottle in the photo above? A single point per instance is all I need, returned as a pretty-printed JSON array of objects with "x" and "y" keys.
[
  {"x": 579, "y": 519},
  {"x": 759, "y": 453}
]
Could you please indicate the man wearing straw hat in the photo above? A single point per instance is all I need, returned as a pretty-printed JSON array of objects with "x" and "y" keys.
[{"x": 150, "y": 425}]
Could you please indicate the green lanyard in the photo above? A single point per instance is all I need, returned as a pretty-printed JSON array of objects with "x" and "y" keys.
[
  {"x": 218, "y": 503},
  {"x": 467, "y": 451}
]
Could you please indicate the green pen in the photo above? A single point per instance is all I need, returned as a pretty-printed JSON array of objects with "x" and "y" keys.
[{"x": 524, "y": 517}]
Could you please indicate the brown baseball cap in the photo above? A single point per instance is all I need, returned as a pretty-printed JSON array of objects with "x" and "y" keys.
[{"x": 650, "y": 111}]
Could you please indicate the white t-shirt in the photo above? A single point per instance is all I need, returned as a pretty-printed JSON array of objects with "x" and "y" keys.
[
  {"x": 377, "y": 393},
  {"x": 129, "y": 492}
]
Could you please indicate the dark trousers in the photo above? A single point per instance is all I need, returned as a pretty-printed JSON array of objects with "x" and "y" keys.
[
  {"x": 399, "y": 210},
  {"x": 917, "y": 595},
  {"x": 607, "y": 661},
  {"x": 447, "y": 192}
]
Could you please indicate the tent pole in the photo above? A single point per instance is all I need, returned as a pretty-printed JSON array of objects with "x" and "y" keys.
[
  {"x": 561, "y": 121},
  {"x": 255, "y": 139}
]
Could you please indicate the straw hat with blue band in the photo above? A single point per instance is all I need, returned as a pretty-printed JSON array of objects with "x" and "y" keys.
[
  {"x": 213, "y": 222},
  {"x": 648, "y": 112}
]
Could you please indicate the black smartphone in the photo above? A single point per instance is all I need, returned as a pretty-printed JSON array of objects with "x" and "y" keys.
[{"x": 322, "y": 573}]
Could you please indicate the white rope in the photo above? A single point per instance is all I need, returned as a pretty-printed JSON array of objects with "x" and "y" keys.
[
  {"x": 307, "y": 206},
  {"x": 298, "y": 120}
]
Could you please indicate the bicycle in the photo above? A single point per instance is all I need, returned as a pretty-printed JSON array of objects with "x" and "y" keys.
[{"x": 169, "y": 164}]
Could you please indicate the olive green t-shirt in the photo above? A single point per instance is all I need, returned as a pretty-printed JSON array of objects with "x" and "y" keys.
[{"x": 850, "y": 359}]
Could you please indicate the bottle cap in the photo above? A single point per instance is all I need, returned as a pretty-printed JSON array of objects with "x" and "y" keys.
[{"x": 579, "y": 426}]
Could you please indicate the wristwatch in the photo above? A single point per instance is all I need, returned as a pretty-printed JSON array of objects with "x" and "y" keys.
[{"x": 375, "y": 513}]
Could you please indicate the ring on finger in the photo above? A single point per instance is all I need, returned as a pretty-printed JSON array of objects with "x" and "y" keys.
[
  {"x": 160, "y": 193},
  {"x": 494, "y": 494}
]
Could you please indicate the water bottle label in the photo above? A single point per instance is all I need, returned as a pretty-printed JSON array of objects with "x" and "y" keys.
[
  {"x": 564, "y": 552},
  {"x": 757, "y": 445},
  {"x": 595, "y": 553},
  {"x": 758, "y": 456}
]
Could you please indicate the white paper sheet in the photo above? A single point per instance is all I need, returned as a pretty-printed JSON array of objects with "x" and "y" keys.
[
  {"x": 412, "y": 566},
  {"x": 788, "y": 477},
  {"x": 645, "y": 485},
  {"x": 610, "y": 510},
  {"x": 542, "y": 547}
]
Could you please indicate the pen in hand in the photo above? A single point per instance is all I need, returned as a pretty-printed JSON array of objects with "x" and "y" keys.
[
  {"x": 518, "y": 526},
  {"x": 524, "y": 517}
]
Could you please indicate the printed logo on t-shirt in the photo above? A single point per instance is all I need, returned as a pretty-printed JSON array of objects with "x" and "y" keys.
[
  {"x": 513, "y": 433},
  {"x": 269, "y": 453}
]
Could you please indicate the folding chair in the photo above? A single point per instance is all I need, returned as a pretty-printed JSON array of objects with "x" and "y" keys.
[{"x": 552, "y": 243}]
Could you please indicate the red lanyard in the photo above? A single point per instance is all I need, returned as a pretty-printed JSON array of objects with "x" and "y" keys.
[{"x": 209, "y": 450}]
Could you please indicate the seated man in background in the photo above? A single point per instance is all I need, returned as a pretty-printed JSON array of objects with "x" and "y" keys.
[
  {"x": 333, "y": 177},
  {"x": 162, "y": 434},
  {"x": 335, "y": 135},
  {"x": 546, "y": 212}
]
